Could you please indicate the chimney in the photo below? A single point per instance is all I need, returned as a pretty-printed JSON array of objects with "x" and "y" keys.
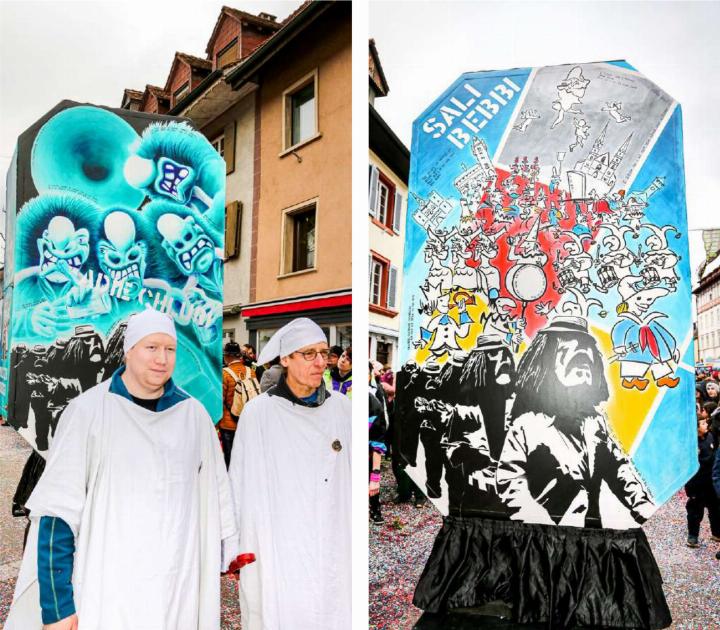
[{"x": 267, "y": 16}]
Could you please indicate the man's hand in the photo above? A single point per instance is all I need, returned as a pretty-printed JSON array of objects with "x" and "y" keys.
[{"x": 69, "y": 623}]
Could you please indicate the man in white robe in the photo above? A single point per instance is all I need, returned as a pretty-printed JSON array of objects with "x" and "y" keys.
[
  {"x": 136, "y": 474},
  {"x": 290, "y": 474}
]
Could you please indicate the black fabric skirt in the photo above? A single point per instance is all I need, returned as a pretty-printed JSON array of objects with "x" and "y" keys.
[{"x": 561, "y": 577}]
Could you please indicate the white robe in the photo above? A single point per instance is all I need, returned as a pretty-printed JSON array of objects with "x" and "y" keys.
[
  {"x": 147, "y": 496},
  {"x": 293, "y": 499}
]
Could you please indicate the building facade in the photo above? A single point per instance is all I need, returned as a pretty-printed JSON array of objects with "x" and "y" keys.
[
  {"x": 301, "y": 246},
  {"x": 707, "y": 303},
  {"x": 389, "y": 162},
  {"x": 274, "y": 99}
]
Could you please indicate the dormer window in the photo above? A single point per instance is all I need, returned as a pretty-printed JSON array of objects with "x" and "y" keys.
[
  {"x": 227, "y": 55},
  {"x": 181, "y": 91}
]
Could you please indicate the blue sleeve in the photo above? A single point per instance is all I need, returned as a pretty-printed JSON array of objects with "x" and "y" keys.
[
  {"x": 619, "y": 332},
  {"x": 716, "y": 474},
  {"x": 56, "y": 548}
]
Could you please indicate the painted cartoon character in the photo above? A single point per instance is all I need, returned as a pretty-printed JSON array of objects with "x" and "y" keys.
[
  {"x": 574, "y": 268},
  {"x": 530, "y": 252},
  {"x": 175, "y": 163},
  {"x": 51, "y": 287},
  {"x": 486, "y": 250},
  {"x": 121, "y": 256},
  {"x": 438, "y": 274},
  {"x": 501, "y": 214},
  {"x": 187, "y": 264},
  {"x": 616, "y": 261},
  {"x": 559, "y": 454},
  {"x": 500, "y": 321},
  {"x": 639, "y": 341},
  {"x": 659, "y": 261},
  {"x": 463, "y": 276},
  {"x": 614, "y": 109},
  {"x": 526, "y": 117},
  {"x": 571, "y": 91},
  {"x": 554, "y": 181},
  {"x": 582, "y": 133},
  {"x": 524, "y": 167},
  {"x": 634, "y": 213},
  {"x": 534, "y": 170},
  {"x": 443, "y": 330}
]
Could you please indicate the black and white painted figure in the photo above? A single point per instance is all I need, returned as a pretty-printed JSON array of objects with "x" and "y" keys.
[
  {"x": 463, "y": 427},
  {"x": 560, "y": 463}
]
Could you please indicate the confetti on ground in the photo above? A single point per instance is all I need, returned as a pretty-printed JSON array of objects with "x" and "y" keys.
[{"x": 398, "y": 554}]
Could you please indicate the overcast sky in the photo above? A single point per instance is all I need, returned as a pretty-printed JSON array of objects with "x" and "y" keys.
[
  {"x": 90, "y": 51},
  {"x": 425, "y": 46}
]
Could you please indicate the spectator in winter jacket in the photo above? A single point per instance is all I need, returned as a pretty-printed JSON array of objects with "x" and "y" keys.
[
  {"x": 334, "y": 356},
  {"x": 339, "y": 378},
  {"x": 700, "y": 492},
  {"x": 235, "y": 368}
]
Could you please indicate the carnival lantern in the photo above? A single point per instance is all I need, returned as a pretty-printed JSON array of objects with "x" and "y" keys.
[{"x": 535, "y": 398}]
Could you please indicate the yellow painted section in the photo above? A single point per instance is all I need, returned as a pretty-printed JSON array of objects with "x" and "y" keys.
[{"x": 626, "y": 409}]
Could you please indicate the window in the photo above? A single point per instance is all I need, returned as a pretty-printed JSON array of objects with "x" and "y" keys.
[
  {"x": 227, "y": 55},
  {"x": 383, "y": 352},
  {"x": 377, "y": 274},
  {"x": 181, "y": 91},
  {"x": 383, "y": 205},
  {"x": 385, "y": 201},
  {"x": 300, "y": 122},
  {"x": 228, "y": 335},
  {"x": 219, "y": 145},
  {"x": 299, "y": 239},
  {"x": 383, "y": 284},
  {"x": 342, "y": 335}
]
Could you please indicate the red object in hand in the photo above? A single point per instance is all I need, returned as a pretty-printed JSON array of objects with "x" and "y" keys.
[{"x": 241, "y": 561}]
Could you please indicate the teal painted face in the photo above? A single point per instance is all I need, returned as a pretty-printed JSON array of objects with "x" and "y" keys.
[
  {"x": 121, "y": 256},
  {"x": 186, "y": 243},
  {"x": 174, "y": 180},
  {"x": 63, "y": 250}
]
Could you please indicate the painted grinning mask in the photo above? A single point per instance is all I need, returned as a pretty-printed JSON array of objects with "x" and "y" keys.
[
  {"x": 62, "y": 249},
  {"x": 185, "y": 241},
  {"x": 121, "y": 256}
]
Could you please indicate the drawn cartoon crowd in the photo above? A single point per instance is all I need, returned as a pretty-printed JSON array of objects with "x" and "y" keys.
[{"x": 506, "y": 383}]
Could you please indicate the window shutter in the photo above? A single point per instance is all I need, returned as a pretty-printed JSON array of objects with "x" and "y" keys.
[
  {"x": 230, "y": 148},
  {"x": 397, "y": 214},
  {"x": 370, "y": 275},
  {"x": 392, "y": 287},
  {"x": 373, "y": 189},
  {"x": 233, "y": 216}
]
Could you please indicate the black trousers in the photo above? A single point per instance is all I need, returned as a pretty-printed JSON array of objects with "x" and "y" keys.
[
  {"x": 696, "y": 507},
  {"x": 434, "y": 461},
  {"x": 226, "y": 439}
]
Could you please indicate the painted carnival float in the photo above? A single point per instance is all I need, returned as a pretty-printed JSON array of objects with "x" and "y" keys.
[{"x": 108, "y": 212}]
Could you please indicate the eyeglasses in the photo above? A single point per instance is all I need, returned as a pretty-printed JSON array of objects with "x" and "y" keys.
[{"x": 309, "y": 355}]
